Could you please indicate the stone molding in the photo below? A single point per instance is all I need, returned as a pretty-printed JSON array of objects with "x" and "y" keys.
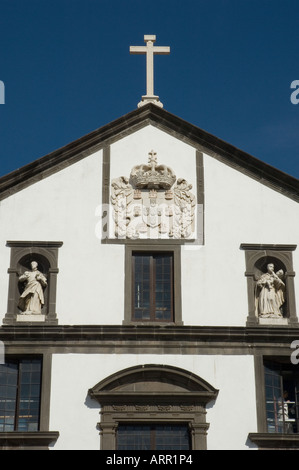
[
  {"x": 147, "y": 339},
  {"x": 39, "y": 440},
  {"x": 275, "y": 441},
  {"x": 153, "y": 393}
]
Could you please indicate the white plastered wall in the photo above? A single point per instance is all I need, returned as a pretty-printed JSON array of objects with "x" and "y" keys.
[
  {"x": 238, "y": 210},
  {"x": 231, "y": 417},
  {"x": 90, "y": 284},
  {"x": 134, "y": 149}
]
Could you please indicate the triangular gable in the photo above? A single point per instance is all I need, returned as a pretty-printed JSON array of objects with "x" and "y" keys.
[{"x": 167, "y": 122}]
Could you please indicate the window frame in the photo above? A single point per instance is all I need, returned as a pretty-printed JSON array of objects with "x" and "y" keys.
[
  {"x": 280, "y": 370},
  {"x": 152, "y": 286},
  {"x": 33, "y": 440},
  {"x": 176, "y": 282},
  {"x": 164, "y": 395},
  {"x": 19, "y": 387},
  {"x": 262, "y": 438}
]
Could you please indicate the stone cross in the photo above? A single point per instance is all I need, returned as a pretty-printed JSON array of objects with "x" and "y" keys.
[
  {"x": 152, "y": 157},
  {"x": 150, "y": 50}
]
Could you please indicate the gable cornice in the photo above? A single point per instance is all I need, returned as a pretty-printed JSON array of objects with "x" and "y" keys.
[{"x": 159, "y": 117}]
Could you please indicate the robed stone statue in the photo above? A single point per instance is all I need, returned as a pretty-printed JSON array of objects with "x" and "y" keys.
[
  {"x": 32, "y": 298},
  {"x": 270, "y": 292}
]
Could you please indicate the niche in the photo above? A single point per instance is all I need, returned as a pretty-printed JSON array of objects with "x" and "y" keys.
[
  {"x": 43, "y": 267},
  {"x": 270, "y": 285},
  {"x": 23, "y": 253},
  {"x": 270, "y": 288}
]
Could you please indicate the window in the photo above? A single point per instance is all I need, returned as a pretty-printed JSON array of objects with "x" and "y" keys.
[
  {"x": 153, "y": 437},
  {"x": 277, "y": 399},
  {"x": 152, "y": 287},
  {"x": 153, "y": 284},
  {"x": 282, "y": 397},
  {"x": 20, "y": 391}
]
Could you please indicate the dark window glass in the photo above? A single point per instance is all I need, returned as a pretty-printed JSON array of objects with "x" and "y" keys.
[
  {"x": 153, "y": 437},
  {"x": 281, "y": 393},
  {"x": 20, "y": 383},
  {"x": 153, "y": 287}
]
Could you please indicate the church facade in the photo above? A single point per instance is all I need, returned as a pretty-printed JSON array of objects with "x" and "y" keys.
[{"x": 148, "y": 294}]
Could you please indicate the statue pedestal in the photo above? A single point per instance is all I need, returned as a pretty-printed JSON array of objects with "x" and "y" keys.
[
  {"x": 273, "y": 321},
  {"x": 31, "y": 318}
]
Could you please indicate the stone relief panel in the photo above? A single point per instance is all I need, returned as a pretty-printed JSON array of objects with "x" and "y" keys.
[{"x": 152, "y": 203}]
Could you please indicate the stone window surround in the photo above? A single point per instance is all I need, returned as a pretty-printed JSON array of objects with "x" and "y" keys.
[
  {"x": 177, "y": 300},
  {"x": 38, "y": 440},
  {"x": 283, "y": 253},
  {"x": 45, "y": 249},
  {"x": 151, "y": 404}
]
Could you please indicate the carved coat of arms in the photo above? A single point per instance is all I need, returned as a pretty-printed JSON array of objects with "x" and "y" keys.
[{"x": 152, "y": 203}]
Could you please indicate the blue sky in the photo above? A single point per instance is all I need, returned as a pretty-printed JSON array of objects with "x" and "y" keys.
[{"x": 67, "y": 71}]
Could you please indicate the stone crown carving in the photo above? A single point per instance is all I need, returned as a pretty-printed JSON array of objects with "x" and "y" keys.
[{"x": 152, "y": 175}]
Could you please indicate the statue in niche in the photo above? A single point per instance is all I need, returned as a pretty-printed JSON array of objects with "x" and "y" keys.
[
  {"x": 32, "y": 299},
  {"x": 270, "y": 290}
]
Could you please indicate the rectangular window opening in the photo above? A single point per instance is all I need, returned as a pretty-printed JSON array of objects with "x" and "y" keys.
[
  {"x": 282, "y": 397},
  {"x": 153, "y": 437},
  {"x": 152, "y": 287},
  {"x": 20, "y": 393}
]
